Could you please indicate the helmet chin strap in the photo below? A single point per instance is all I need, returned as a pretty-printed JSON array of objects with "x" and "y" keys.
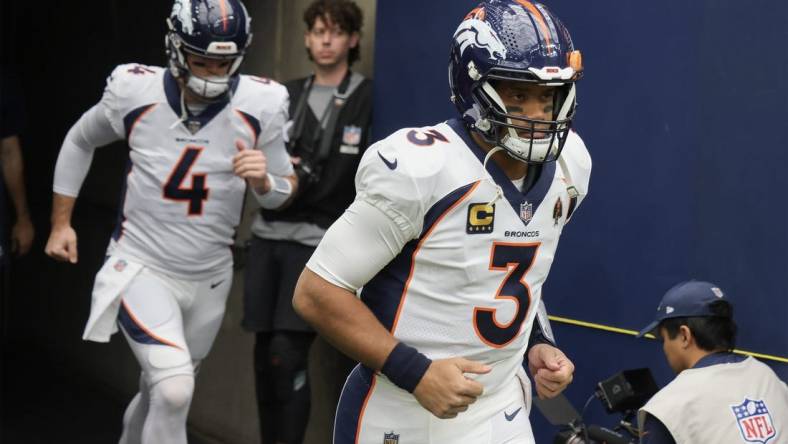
[{"x": 485, "y": 176}]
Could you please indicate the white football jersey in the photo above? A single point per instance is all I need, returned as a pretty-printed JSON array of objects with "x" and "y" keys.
[
  {"x": 182, "y": 201},
  {"x": 469, "y": 281}
]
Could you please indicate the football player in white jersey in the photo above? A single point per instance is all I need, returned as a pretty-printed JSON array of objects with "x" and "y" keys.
[
  {"x": 452, "y": 235},
  {"x": 198, "y": 133}
]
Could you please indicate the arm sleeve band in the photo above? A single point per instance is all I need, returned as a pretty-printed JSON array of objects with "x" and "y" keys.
[
  {"x": 357, "y": 246},
  {"x": 92, "y": 130},
  {"x": 280, "y": 191},
  {"x": 272, "y": 143}
]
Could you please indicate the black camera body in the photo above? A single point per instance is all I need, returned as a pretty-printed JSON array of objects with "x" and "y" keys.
[
  {"x": 308, "y": 173},
  {"x": 627, "y": 390},
  {"x": 624, "y": 393}
]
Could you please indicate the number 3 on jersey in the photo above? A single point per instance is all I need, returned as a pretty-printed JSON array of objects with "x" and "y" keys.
[
  {"x": 173, "y": 188},
  {"x": 516, "y": 259}
]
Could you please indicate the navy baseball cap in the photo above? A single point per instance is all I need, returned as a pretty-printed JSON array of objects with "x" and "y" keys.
[{"x": 687, "y": 299}]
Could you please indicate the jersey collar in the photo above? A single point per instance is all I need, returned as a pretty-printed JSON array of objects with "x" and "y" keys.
[
  {"x": 718, "y": 358},
  {"x": 173, "y": 92},
  {"x": 518, "y": 199}
]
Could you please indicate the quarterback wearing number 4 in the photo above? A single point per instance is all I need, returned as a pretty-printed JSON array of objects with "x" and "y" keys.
[
  {"x": 199, "y": 133},
  {"x": 455, "y": 227}
]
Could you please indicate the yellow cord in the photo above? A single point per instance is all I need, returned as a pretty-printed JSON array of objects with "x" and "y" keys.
[{"x": 650, "y": 336}]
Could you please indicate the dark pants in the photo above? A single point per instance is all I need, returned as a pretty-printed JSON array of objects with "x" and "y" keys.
[{"x": 282, "y": 342}]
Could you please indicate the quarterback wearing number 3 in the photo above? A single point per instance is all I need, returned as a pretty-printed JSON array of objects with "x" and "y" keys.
[
  {"x": 452, "y": 235},
  {"x": 198, "y": 134}
]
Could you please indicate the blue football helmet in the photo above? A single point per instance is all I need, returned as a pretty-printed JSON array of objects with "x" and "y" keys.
[
  {"x": 218, "y": 29},
  {"x": 514, "y": 40}
]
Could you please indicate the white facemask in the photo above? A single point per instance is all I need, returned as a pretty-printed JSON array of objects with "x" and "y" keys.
[{"x": 208, "y": 87}]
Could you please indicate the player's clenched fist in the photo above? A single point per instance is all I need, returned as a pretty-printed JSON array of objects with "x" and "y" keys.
[
  {"x": 551, "y": 369},
  {"x": 62, "y": 244},
  {"x": 445, "y": 391},
  {"x": 251, "y": 165}
]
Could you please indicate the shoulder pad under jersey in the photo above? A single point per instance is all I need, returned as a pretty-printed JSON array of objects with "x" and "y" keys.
[
  {"x": 259, "y": 96},
  {"x": 577, "y": 160},
  {"x": 399, "y": 173}
]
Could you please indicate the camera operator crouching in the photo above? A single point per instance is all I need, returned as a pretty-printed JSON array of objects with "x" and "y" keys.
[
  {"x": 717, "y": 397},
  {"x": 331, "y": 113}
]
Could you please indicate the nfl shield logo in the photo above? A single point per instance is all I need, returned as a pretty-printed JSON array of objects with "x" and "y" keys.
[
  {"x": 193, "y": 125},
  {"x": 526, "y": 211},
  {"x": 120, "y": 265},
  {"x": 351, "y": 135},
  {"x": 390, "y": 438},
  {"x": 755, "y": 421}
]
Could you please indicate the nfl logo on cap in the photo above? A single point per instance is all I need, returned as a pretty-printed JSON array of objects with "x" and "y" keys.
[{"x": 755, "y": 421}]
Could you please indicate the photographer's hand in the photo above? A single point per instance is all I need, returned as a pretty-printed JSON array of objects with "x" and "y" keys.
[
  {"x": 551, "y": 370},
  {"x": 251, "y": 165}
]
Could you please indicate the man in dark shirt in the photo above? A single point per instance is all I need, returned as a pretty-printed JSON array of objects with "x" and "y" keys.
[{"x": 330, "y": 129}]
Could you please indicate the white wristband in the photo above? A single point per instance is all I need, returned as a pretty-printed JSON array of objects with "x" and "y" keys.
[{"x": 280, "y": 191}]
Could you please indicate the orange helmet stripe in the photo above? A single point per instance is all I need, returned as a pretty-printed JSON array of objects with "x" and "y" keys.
[
  {"x": 223, "y": 7},
  {"x": 477, "y": 13},
  {"x": 539, "y": 19}
]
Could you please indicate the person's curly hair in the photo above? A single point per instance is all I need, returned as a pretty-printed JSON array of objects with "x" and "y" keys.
[{"x": 344, "y": 13}]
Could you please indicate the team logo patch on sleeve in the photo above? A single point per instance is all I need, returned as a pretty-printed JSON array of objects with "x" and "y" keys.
[
  {"x": 390, "y": 438},
  {"x": 755, "y": 421},
  {"x": 481, "y": 218}
]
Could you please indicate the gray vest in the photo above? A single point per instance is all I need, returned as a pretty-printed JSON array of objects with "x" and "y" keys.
[{"x": 743, "y": 402}]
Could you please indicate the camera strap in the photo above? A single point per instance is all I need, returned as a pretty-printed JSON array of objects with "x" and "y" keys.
[
  {"x": 300, "y": 112},
  {"x": 328, "y": 122},
  {"x": 323, "y": 137}
]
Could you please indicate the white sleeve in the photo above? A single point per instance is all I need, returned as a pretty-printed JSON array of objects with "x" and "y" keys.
[
  {"x": 92, "y": 130},
  {"x": 271, "y": 142},
  {"x": 387, "y": 213},
  {"x": 357, "y": 246},
  {"x": 402, "y": 193}
]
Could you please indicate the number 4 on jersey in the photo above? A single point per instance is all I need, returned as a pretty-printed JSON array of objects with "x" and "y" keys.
[{"x": 173, "y": 188}]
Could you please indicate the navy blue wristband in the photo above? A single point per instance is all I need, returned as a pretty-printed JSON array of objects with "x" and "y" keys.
[
  {"x": 537, "y": 337},
  {"x": 405, "y": 367}
]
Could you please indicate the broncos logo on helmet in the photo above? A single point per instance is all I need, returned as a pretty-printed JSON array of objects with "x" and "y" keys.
[
  {"x": 479, "y": 34},
  {"x": 183, "y": 15},
  {"x": 514, "y": 41},
  {"x": 219, "y": 29}
]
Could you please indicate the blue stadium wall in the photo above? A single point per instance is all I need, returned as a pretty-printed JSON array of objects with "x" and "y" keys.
[{"x": 683, "y": 107}]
